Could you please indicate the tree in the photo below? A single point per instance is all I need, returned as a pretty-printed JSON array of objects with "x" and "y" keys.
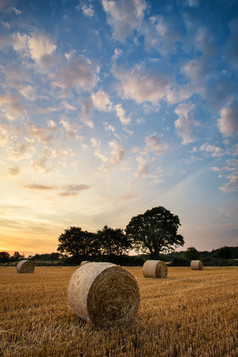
[
  {"x": 191, "y": 254},
  {"x": 155, "y": 231},
  {"x": 78, "y": 243},
  {"x": 113, "y": 241},
  {"x": 4, "y": 257},
  {"x": 17, "y": 256},
  {"x": 223, "y": 253}
]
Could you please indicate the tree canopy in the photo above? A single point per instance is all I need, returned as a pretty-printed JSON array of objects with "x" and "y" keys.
[
  {"x": 78, "y": 243},
  {"x": 155, "y": 231},
  {"x": 191, "y": 254},
  {"x": 113, "y": 241}
]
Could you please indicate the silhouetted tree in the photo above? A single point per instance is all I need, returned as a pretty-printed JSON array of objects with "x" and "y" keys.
[
  {"x": 113, "y": 241},
  {"x": 17, "y": 256},
  {"x": 79, "y": 244},
  {"x": 155, "y": 231},
  {"x": 4, "y": 257},
  {"x": 191, "y": 254},
  {"x": 222, "y": 253}
]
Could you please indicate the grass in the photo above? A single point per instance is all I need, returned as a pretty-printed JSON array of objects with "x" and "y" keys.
[{"x": 189, "y": 314}]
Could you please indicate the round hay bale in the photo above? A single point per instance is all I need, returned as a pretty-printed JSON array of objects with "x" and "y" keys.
[
  {"x": 104, "y": 294},
  {"x": 155, "y": 269},
  {"x": 25, "y": 266},
  {"x": 84, "y": 262},
  {"x": 196, "y": 265}
]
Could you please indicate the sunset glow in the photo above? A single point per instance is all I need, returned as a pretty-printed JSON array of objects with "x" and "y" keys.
[{"x": 109, "y": 108}]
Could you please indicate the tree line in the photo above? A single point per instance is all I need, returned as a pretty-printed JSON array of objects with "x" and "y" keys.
[{"x": 152, "y": 232}]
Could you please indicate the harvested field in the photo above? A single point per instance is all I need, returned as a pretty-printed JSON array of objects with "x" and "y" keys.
[{"x": 189, "y": 314}]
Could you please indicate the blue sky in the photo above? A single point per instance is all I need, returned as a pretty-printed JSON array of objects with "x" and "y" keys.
[{"x": 110, "y": 108}]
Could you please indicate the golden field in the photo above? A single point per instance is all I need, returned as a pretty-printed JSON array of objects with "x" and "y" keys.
[{"x": 189, "y": 314}]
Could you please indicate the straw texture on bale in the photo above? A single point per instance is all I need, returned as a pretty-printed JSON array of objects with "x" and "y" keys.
[
  {"x": 155, "y": 269},
  {"x": 103, "y": 294},
  {"x": 84, "y": 262},
  {"x": 196, "y": 265},
  {"x": 25, "y": 266}
]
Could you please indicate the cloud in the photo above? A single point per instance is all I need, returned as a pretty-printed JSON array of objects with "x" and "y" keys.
[
  {"x": 118, "y": 152},
  {"x": 101, "y": 101},
  {"x": 214, "y": 150},
  {"x": 39, "y": 47},
  {"x": 108, "y": 127},
  {"x": 11, "y": 107},
  {"x": 162, "y": 32},
  {"x": 120, "y": 112},
  {"x": 87, "y": 10},
  {"x": 43, "y": 135},
  {"x": 181, "y": 93},
  {"x": 198, "y": 69},
  {"x": 155, "y": 144},
  {"x": 124, "y": 16},
  {"x": 185, "y": 123},
  {"x": 232, "y": 183},
  {"x": 39, "y": 187},
  {"x": 14, "y": 171},
  {"x": 79, "y": 73},
  {"x": 228, "y": 121},
  {"x": 65, "y": 190},
  {"x": 115, "y": 157},
  {"x": 142, "y": 85},
  {"x": 206, "y": 41},
  {"x": 70, "y": 129},
  {"x": 87, "y": 109},
  {"x": 142, "y": 170},
  {"x": 72, "y": 190}
]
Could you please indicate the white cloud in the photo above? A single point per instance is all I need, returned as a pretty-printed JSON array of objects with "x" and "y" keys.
[
  {"x": 185, "y": 123},
  {"x": 180, "y": 93},
  {"x": 51, "y": 124},
  {"x": 20, "y": 42},
  {"x": 95, "y": 143},
  {"x": 118, "y": 152},
  {"x": 124, "y": 16},
  {"x": 141, "y": 85},
  {"x": 28, "y": 92},
  {"x": 40, "y": 46},
  {"x": 88, "y": 10},
  {"x": 37, "y": 46},
  {"x": 108, "y": 127},
  {"x": 70, "y": 129},
  {"x": 198, "y": 69},
  {"x": 162, "y": 33},
  {"x": 228, "y": 121},
  {"x": 142, "y": 170},
  {"x": 214, "y": 150},
  {"x": 155, "y": 144},
  {"x": 232, "y": 183},
  {"x": 101, "y": 101},
  {"x": 122, "y": 115},
  {"x": 79, "y": 72}
]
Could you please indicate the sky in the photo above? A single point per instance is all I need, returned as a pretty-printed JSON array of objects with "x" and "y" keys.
[{"x": 110, "y": 108}]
